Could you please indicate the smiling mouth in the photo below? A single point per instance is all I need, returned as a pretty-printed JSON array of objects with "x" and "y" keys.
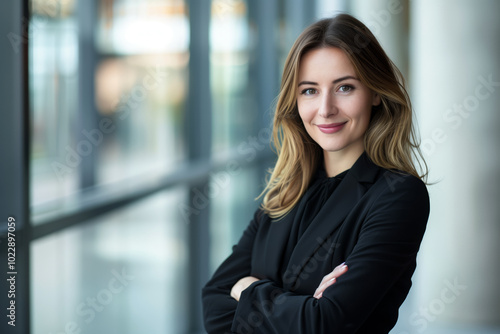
[{"x": 331, "y": 128}]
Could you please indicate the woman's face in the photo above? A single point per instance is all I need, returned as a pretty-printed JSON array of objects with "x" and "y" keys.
[{"x": 333, "y": 104}]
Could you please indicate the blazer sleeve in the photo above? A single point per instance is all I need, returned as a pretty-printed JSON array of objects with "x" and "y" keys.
[
  {"x": 218, "y": 305},
  {"x": 387, "y": 245}
]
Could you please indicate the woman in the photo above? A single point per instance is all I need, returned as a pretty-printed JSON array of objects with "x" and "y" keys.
[{"x": 333, "y": 247}]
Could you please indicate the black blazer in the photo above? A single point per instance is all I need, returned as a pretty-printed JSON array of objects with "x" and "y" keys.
[{"x": 374, "y": 221}]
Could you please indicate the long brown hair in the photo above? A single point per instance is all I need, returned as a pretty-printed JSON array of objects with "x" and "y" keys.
[{"x": 390, "y": 140}]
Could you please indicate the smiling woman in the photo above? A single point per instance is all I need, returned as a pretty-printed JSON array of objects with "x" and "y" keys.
[
  {"x": 334, "y": 106},
  {"x": 333, "y": 246}
]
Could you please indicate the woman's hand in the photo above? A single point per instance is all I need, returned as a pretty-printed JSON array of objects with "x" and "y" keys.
[
  {"x": 329, "y": 279},
  {"x": 241, "y": 285}
]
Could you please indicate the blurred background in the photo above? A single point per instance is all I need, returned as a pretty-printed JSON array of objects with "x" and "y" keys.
[{"x": 135, "y": 138}]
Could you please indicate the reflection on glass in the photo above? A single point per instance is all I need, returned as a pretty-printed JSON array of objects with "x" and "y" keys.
[
  {"x": 140, "y": 83},
  {"x": 143, "y": 96},
  {"x": 235, "y": 124},
  {"x": 53, "y": 86},
  {"x": 232, "y": 194},
  {"x": 122, "y": 273},
  {"x": 233, "y": 109},
  {"x": 143, "y": 27}
]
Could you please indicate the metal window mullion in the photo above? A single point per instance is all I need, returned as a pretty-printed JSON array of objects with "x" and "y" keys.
[
  {"x": 198, "y": 133},
  {"x": 267, "y": 80},
  {"x": 265, "y": 73},
  {"x": 87, "y": 116},
  {"x": 14, "y": 167}
]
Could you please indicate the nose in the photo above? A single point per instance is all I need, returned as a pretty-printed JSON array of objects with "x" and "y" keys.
[{"x": 327, "y": 106}]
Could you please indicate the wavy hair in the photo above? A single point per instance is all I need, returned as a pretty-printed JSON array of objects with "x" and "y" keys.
[{"x": 390, "y": 140}]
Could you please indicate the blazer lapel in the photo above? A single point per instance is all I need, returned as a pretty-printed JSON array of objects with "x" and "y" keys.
[{"x": 350, "y": 190}]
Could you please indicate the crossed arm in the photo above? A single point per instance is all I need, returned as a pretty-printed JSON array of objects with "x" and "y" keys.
[{"x": 326, "y": 282}]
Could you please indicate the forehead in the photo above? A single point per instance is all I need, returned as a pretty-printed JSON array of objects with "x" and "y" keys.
[{"x": 325, "y": 61}]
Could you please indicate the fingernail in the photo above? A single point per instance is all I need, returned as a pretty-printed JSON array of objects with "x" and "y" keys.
[{"x": 333, "y": 279}]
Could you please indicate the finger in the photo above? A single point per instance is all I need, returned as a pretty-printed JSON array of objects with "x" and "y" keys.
[
  {"x": 319, "y": 291},
  {"x": 333, "y": 275},
  {"x": 327, "y": 284},
  {"x": 339, "y": 270},
  {"x": 330, "y": 279}
]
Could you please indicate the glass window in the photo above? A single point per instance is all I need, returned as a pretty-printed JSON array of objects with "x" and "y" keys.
[
  {"x": 53, "y": 86},
  {"x": 236, "y": 124},
  {"x": 108, "y": 83},
  {"x": 234, "y": 112},
  {"x": 233, "y": 192},
  {"x": 132, "y": 128},
  {"x": 141, "y": 84},
  {"x": 122, "y": 273}
]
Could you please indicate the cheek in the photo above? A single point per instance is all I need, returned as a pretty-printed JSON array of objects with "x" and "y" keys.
[
  {"x": 363, "y": 113},
  {"x": 307, "y": 109},
  {"x": 304, "y": 113},
  {"x": 365, "y": 122}
]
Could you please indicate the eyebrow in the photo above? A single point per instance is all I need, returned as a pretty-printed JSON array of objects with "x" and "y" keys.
[{"x": 334, "y": 81}]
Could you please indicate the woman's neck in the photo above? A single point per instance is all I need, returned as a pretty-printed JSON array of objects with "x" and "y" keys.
[{"x": 339, "y": 161}]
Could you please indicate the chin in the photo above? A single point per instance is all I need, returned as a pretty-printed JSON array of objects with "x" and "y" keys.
[
  {"x": 333, "y": 147},
  {"x": 345, "y": 148}
]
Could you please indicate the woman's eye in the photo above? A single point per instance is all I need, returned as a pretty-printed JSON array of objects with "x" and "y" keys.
[
  {"x": 345, "y": 88},
  {"x": 309, "y": 91}
]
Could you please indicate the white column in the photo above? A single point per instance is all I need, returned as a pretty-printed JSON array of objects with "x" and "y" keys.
[
  {"x": 388, "y": 21},
  {"x": 455, "y": 67}
]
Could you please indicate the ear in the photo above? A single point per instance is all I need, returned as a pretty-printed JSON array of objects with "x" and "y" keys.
[{"x": 376, "y": 100}]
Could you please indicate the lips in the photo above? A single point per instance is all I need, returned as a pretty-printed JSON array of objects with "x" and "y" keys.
[{"x": 331, "y": 128}]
